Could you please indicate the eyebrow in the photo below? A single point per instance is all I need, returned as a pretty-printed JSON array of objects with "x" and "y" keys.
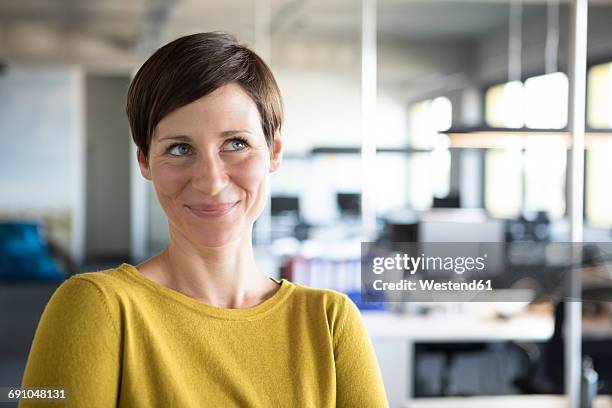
[
  {"x": 226, "y": 133},
  {"x": 175, "y": 137},
  {"x": 233, "y": 132}
]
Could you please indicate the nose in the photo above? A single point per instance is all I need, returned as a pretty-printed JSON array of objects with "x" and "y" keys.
[{"x": 209, "y": 174}]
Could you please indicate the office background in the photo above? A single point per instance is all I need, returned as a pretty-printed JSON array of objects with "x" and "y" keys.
[{"x": 471, "y": 131}]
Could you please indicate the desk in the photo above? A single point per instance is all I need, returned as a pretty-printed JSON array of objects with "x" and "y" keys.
[
  {"x": 454, "y": 328},
  {"x": 510, "y": 401}
]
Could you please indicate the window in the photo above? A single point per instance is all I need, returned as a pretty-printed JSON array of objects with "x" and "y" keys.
[
  {"x": 597, "y": 189},
  {"x": 545, "y": 163},
  {"x": 503, "y": 181},
  {"x": 529, "y": 175},
  {"x": 599, "y": 164},
  {"x": 599, "y": 96},
  {"x": 546, "y": 98},
  {"x": 442, "y": 113},
  {"x": 504, "y": 105},
  {"x": 541, "y": 103},
  {"x": 429, "y": 173},
  {"x": 392, "y": 181}
]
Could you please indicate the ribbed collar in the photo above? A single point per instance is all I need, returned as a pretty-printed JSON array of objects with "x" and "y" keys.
[{"x": 248, "y": 313}]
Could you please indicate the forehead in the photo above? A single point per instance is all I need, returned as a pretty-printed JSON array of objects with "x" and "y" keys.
[{"x": 228, "y": 107}]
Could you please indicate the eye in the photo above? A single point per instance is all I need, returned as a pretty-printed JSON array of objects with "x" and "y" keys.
[
  {"x": 180, "y": 149},
  {"x": 235, "y": 145}
]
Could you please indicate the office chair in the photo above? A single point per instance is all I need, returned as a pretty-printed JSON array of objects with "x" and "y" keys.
[
  {"x": 449, "y": 353},
  {"x": 598, "y": 349},
  {"x": 545, "y": 364}
]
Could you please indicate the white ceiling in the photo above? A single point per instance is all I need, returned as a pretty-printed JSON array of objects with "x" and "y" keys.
[{"x": 114, "y": 31}]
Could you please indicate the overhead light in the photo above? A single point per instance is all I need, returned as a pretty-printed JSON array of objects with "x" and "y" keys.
[{"x": 490, "y": 138}]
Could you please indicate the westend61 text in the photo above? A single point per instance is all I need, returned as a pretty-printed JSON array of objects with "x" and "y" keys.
[{"x": 431, "y": 285}]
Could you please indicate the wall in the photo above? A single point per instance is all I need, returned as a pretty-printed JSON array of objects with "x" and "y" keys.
[
  {"x": 492, "y": 52},
  {"x": 38, "y": 138},
  {"x": 108, "y": 167},
  {"x": 40, "y": 158}
]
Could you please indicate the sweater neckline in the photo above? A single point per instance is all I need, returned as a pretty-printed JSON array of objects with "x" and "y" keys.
[{"x": 247, "y": 313}]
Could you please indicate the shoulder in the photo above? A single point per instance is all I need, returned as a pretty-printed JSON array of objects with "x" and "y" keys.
[
  {"x": 78, "y": 308},
  {"x": 87, "y": 295},
  {"x": 331, "y": 299},
  {"x": 76, "y": 327},
  {"x": 342, "y": 318},
  {"x": 104, "y": 284},
  {"x": 336, "y": 306}
]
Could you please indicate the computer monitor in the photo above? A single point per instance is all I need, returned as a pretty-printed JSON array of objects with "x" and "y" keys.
[
  {"x": 450, "y": 201},
  {"x": 284, "y": 204},
  {"x": 349, "y": 203},
  {"x": 460, "y": 225}
]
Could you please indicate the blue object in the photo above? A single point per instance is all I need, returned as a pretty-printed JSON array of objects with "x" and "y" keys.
[
  {"x": 361, "y": 305},
  {"x": 24, "y": 254}
]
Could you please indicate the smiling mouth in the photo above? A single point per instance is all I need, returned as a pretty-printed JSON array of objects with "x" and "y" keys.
[{"x": 211, "y": 210}]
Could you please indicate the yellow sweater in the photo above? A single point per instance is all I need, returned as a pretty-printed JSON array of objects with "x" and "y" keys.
[{"x": 117, "y": 338}]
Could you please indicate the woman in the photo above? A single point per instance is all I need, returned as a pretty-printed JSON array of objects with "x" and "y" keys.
[{"x": 199, "y": 324}]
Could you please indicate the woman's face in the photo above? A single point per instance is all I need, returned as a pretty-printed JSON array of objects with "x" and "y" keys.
[{"x": 210, "y": 164}]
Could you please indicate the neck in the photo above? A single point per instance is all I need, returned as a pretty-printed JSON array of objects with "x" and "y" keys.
[{"x": 225, "y": 276}]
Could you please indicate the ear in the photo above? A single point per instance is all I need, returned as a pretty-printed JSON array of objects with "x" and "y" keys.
[
  {"x": 277, "y": 152},
  {"x": 145, "y": 170}
]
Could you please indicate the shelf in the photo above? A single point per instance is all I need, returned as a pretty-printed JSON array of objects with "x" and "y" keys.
[
  {"x": 502, "y": 401},
  {"x": 357, "y": 150}
]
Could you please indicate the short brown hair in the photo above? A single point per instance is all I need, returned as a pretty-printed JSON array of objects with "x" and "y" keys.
[{"x": 191, "y": 67}]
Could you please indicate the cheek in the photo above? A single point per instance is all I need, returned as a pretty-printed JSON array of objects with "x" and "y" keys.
[
  {"x": 168, "y": 180},
  {"x": 252, "y": 175}
]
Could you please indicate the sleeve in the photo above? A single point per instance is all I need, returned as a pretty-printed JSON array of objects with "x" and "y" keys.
[
  {"x": 76, "y": 347},
  {"x": 358, "y": 378}
]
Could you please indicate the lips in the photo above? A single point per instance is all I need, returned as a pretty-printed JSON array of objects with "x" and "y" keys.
[
  {"x": 212, "y": 207},
  {"x": 211, "y": 210}
]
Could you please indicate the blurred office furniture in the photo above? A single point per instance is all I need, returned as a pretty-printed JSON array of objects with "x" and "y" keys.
[
  {"x": 400, "y": 226},
  {"x": 349, "y": 203},
  {"x": 496, "y": 367},
  {"x": 285, "y": 205},
  {"x": 537, "y": 229},
  {"x": 395, "y": 231},
  {"x": 452, "y": 200},
  {"x": 286, "y": 218},
  {"x": 588, "y": 384},
  {"x": 31, "y": 268},
  {"x": 596, "y": 341},
  {"x": 25, "y": 254},
  {"x": 506, "y": 401},
  {"x": 334, "y": 265},
  {"x": 55, "y": 228},
  {"x": 449, "y": 353},
  {"x": 301, "y": 230},
  {"x": 460, "y": 225},
  {"x": 468, "y": 326},
  {"x": 342, "y": 275},
  {"x": 442, "y": 225},
  {"x": 21, "y": 305}
]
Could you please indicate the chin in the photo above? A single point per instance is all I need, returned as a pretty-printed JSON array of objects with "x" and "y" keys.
[{"x": 214, "y": 237}]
